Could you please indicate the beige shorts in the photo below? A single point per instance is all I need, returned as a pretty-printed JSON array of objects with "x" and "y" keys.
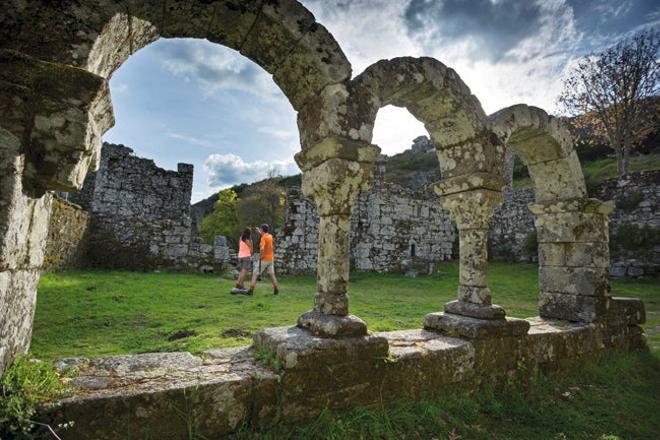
[{"x": 265, "y": 266}]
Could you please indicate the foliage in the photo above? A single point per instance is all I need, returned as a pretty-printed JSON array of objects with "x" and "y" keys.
[
  {"x": 26, "y": 384},
  {"x": 531, "y": 244},
  {"x": 592, "y": 403},
  {"x": 86, "y": 313},
  {"x": 597, "y": 171},
  {"x": 267, "y": 357},
  {"x": 630, "y": 238},
  {"x": 262, "y": 202},
  {"x": 608, "y": 90},
  {"x": 630, "y": 201},
  {"x": 223, "y": 220},
  {"x": 403, "y": 166}
]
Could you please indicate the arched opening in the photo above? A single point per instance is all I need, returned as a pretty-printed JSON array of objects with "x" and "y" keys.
[
  {"x": 571, "y": 229},
  {"x": 64, "y": 86},
  {"x": 469, "y": 156}
]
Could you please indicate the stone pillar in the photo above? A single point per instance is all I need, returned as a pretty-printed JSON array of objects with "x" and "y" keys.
[
  {"x": 335, "y": 171},
  {"x": 51, "y": 121},
  {"x": 573, "y": 259},
  {"x": 471, "y": 201}
]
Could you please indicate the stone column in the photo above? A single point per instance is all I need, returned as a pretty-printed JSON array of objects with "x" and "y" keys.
[
  {"x": 573, "y": 259},
  {"x": 335, "y": 171},
  {"x": 51, "y": 121},
  {"x": 471, "y": 201}
]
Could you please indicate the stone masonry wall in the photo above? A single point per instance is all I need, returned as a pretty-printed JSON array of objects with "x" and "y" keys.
[
  {"x": 140, "y": 216},
  {"x": 392, "y": 228},
  {"x": 637, "y": 200},
  {"x": 67, "y": 234}
]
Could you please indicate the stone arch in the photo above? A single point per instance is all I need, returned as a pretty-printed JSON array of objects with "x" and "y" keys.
[
  {"x": 545, "y": 146},
  {"x": 470, "y": 155},
  {"x": 55, "y": 61},
  {"x": 572, "y": 229}
]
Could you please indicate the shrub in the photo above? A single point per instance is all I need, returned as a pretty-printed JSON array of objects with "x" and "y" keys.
[
  {"x": 531, "y": 244},
  {"x": 24, "y": 385},
  {"x": 630, "y": 201},
  {"x": 632, "y": 238}
]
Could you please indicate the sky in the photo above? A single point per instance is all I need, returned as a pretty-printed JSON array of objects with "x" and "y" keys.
[{"x": 191, "y": 101}]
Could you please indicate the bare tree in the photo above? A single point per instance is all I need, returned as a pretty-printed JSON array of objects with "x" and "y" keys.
[{"x": 609, "y": 91}]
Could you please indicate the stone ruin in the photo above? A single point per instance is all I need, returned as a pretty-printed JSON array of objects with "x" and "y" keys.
[
  {"x": 139, "y": 218},
  {"x": 393, "y": 229},
  {"x": 55, "y": 62}
]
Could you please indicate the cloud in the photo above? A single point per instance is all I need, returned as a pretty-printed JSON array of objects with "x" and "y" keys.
[
  {"x": 192, "y": 140},
  {"x": 395, "y": 129},
  {"x": 215, "y": 67},
  {"x": 492, "y": 28},
  {"x": 225, "y": 170}
]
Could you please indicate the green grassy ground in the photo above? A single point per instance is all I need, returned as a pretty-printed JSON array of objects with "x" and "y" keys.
[{"x": 100, "y": 313}]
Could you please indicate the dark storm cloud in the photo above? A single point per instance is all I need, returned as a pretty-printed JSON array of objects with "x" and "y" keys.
[
  {"x": 496, "y": 26},
  {"x": 605, "y": 21}
]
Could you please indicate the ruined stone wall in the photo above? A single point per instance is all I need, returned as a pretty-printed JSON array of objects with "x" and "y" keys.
[
  {"x": 392, "y": 228},
  {"x": 140, "y": 216},
  {"x": 67, "y": 232},
  {"x": 637, "y": 200}
]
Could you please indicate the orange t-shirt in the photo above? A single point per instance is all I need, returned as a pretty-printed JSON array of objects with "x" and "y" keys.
[{"x": 266, "y": 246}]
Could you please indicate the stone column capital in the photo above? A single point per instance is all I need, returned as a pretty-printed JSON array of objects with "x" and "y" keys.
[
  {"x": 335, "y": 172},
  {"x": 472, "y": 209}
]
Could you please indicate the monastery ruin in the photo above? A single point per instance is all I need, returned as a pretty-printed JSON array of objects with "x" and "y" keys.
[{"x": 55, "y": 62}]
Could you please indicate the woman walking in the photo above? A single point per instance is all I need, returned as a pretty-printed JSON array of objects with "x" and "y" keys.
[{"x": 244, "y": 257}]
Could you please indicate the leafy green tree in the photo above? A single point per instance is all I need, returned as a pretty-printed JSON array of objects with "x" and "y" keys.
[
  {"x": 262, "y": 202},
  {"x": 224, "y": 219}
]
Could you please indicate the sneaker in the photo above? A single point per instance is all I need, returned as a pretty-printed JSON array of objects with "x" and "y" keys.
[
  {"x": 249, "y": 292},
  {"x": 276, "y": 291}
]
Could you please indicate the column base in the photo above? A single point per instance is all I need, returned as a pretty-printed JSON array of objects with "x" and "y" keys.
[
  {"x": 332, "y": 326},
  {"x": 473, "y": 328},
  {"x": 297, "y": 349},
  {"x": 472, "y": 310}
]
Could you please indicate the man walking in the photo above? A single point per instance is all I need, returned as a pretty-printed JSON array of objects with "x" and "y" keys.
[{"x": 266, "y": 260}]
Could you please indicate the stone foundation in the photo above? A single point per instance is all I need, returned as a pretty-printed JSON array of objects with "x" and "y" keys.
[{"x": 300, "y": 375}]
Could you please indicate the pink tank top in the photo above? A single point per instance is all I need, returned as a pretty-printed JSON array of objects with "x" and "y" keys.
[{"x": 243, "y": 249}]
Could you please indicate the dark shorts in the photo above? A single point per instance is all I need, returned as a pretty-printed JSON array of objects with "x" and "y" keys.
[{"x": 245, "y": 263}]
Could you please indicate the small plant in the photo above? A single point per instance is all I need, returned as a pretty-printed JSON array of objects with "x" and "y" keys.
[
  {"x": 268, "y": 357},
  {"x": 531, "y": 244},
  {"x": 630, "y": 201},
  {"x": 26, "y": 384}
]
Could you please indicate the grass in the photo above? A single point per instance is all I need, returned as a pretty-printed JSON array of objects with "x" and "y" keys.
[
  {"x": 92, "y": 314},
  {"x": 597, "y": 171},
  {"x": 593, "y": 403}
]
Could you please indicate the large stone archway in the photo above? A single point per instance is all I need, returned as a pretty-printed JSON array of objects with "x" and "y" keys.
[
  {"x": 55, "y": 62},
  {"x": 572, "y": 229},
  {"x": 470, "y": 157}
]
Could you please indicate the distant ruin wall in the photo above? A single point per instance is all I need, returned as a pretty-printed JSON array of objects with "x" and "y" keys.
[
  {"x": 140, "y": 216},
  {"x": 637, "y": 200},
  {"x": 67, "y": 233},
  {"x": 393, "y": 228}
]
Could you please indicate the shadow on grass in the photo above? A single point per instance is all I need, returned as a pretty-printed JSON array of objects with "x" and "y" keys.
[{"x": 617, "y": 397}]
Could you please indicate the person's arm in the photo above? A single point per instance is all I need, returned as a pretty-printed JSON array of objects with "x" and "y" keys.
[{"x": 249, "y": 243}]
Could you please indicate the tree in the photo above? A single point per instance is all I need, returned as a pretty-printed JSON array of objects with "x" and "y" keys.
[
  {"x": 262, "y": 202},
  {"x": 223, "y": 220},
  {"x": 610, "y": 89}
]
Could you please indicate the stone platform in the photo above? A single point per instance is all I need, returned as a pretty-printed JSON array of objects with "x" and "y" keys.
[{"x": 290, "y": 375}]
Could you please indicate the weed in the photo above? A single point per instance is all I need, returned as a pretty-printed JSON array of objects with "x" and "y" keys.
[
  {"x": 267, "y": 357},
  {"x": 630, "y": 201},
  {"x": 26, "y": 384}
]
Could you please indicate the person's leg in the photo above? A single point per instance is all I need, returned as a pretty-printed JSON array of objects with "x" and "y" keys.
[
  {"x": 241, "y": 277},
  {"x": 255, "y": 274},
  {"x": 273, "y": 278}
]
